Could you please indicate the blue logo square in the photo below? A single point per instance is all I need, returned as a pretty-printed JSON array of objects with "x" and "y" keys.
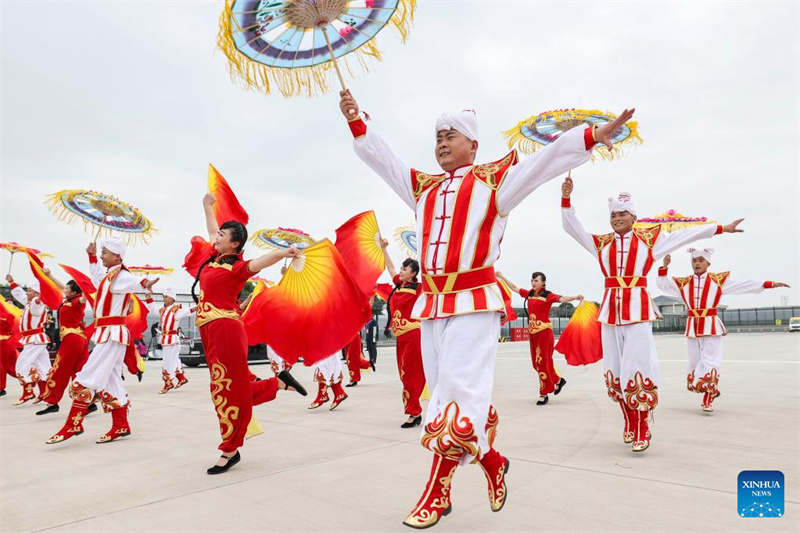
[{"x": 761, "y": 494}]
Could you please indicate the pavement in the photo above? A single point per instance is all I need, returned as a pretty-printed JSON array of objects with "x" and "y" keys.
[{"x": 355, "y": 469}]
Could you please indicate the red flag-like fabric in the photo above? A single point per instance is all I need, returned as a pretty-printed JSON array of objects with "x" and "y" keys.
[
  {"x": 227, "y": 206},
  {"x": 358, "y": 241},
  {"x": 315, "y": 309},
  {"x": 580, "y": 341},
  {"x": 136, "y": 321},
  {"x": 509, "y": 314},
  {"x": 383, "y": 290},
  {"x": 201, "y": 251},
  {"x": 83, "y": 281},
  {"x": 12, "y": 314},
  {"x": 49, "y": 292}
]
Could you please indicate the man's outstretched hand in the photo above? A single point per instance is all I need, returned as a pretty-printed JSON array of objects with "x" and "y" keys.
[
  {"x": 604, "y": 133},
  {"x": 348, "y": 105}
]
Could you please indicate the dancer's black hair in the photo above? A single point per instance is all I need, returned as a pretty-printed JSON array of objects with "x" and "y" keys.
[{"x": 238, "y": 234}]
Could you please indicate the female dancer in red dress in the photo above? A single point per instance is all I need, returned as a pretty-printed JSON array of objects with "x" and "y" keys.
[
  {"x": 539, "y": 301},
  {"x": 222, "y": 278}
]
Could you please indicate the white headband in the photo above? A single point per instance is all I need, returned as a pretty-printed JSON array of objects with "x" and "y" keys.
[
  {"x": 621, "y": 204},
  {"x": 705, "y": 253},
  {"x": 170, "y": 293},
  {"x": 35, "y": 286},
  {"x": 115, "y": 246},
  {"x": 465, "y": 122}
]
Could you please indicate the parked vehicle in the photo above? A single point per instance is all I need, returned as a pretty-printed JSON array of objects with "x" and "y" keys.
[
  {"x": 794, "y": 324},
  {"x": 196, "y": 355}
]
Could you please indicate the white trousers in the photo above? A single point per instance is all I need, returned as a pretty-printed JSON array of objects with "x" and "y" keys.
[
  {"x": 458, "y": 356},
  {"x": 276, "y": 361},
  {"x": 102, "y": 375},
  {"x": 329, "y": 370},
  {"x": 33, "y": 362},
  {"x": 171, "y": 362},
  {"x": 705, "y": 356},
  {"x": 631, "y": 365}
]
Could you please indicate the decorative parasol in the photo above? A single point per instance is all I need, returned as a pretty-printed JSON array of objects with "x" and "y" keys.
[
  {"x": 150, "y": 269},
  {"x": 316, "y": 294},
  {"x": 281, "y": 239},
  {"x": 580, "y": 341},
  {"x": 542, "y": 129},
  {"x": 672, "y": 220},
  {"x": 107, "y": 213},
  {"x": 16, "y": 248},
  {"x": 406, "y": 237},
  {"x": 294, "y": 43},
  {"x": 359, "y": 242}
]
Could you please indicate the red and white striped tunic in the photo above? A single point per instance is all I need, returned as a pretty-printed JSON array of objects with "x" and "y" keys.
[
  {"x": 626, "y": 260},
  {"x": 169, "y": 318},
  {"x": 112, "y": 303},
  {"x": 31, "y": 323},
  {"x": 702, "y": 294},
  {"x": 462, "y": 215}
]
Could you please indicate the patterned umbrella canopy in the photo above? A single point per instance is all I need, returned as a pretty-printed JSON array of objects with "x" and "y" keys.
[
  {"x": 544, "y": 128},
  {"x": 281, "y": 238},
  {"x": 150, "y": 269},
  {"x": 406, "y": 237},
  {"x": 672, "y": 220},
  {"x": 294, "y": 43},
  {"x": 107, "y": 213},
  {"x": 15, "y": 247}
]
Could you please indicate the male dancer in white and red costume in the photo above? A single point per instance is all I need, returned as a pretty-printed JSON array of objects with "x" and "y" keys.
[
  {"x": 33, "y": 363},
  {"x": 701, "y": 293},
  {"x": 461, "y": 216},
  {"x": 626, "y": 257},
  {"x": 101, "y": 376},
  {"x": 169, "y": 317}
]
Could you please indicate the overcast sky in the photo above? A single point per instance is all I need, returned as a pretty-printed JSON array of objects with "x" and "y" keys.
[{"x": 131, "y": 98}]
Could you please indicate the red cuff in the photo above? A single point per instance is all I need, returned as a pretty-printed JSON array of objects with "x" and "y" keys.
[
  {"x": 143, "y": 282},
  {"x": 719, "y": 230},
  {"x": 13, "y": 285},
  {"x": 149, "y": 300},
  {"x": 588, "y": 138},
  {"x": 662, "y": 271},
  {"x": 769, "y": 284},
  {"x": 565, "y": 203},
  {"x": 357, "y": 127},
  {"x": 92, "y": 259}
]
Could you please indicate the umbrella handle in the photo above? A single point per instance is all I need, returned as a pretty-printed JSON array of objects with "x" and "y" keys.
[
  {"x": 97, "y": 235},
  {"x": 323, "y": 28},
  {"x": 10, "y": 262}
]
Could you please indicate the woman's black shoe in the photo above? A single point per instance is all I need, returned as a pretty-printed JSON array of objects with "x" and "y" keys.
[
  {"x": 216, "y": 469},
  {"x": 139, "y": 375},
  {"x": 559, "y": 386},
  {"x": 2, "y": 392},
  {"x": 372, "y": 365},
  {"x": 352, "y": 384},
  {"x": 414, "y": 423},
  {"x": 542, "y": 402},
  {"x": 289, "y": 381},
  {"x": 92, "y": 408},
  {"x": 49, "y": 409}
]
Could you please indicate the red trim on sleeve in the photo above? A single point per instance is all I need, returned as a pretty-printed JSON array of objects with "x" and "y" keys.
[
  {"x": 149, "y": 300},
  {"x": 13, "y": 285},
  {"x": 143, "y": 282},
  {"x": 662, "y": 271},
  {"x": 588, "y": 139},
  {"x": 769, "y": 284},
  {"x": 92, "y": 259},
  {"x": 565, "y": 203},
  {"x": 357, "y": 127},
  {"x": 719, "y": 230}
]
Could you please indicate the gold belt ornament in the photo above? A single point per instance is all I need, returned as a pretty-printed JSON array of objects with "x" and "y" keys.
[
  {"x": 207, "y": 312},
  {"x": 71, "y": 331}
]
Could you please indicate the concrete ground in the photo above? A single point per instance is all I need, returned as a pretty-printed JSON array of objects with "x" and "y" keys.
[{"x": 354, "y": 469}]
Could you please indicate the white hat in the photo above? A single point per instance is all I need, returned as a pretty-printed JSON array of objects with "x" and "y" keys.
[
  {"x": 465, "y": 122},
  {"x": 35, "y": 286},
  {"x": 621, "y": 204},
  {"x": 114, "y": 245},
  {"x": 170, "y": 293},
  {"x": 705, "y": 253}
]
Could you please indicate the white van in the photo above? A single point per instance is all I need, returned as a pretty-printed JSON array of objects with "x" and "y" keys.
[{"x": 794, "y": 324}]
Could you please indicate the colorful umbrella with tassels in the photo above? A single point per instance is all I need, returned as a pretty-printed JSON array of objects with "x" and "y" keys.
[
  {"x": 150, "y": 269},
  {"x": 406, "y": 237},
  {"x": 359, "y": 242},
  {"x": 105, "y": 212},
  {"x": 293, "y": 44},
  {"x": 281, "y": 239},
  {"x": 16, "y": 248},
  {"x": 542, "y": 129},
  {"x": 672, "y": 220}
]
